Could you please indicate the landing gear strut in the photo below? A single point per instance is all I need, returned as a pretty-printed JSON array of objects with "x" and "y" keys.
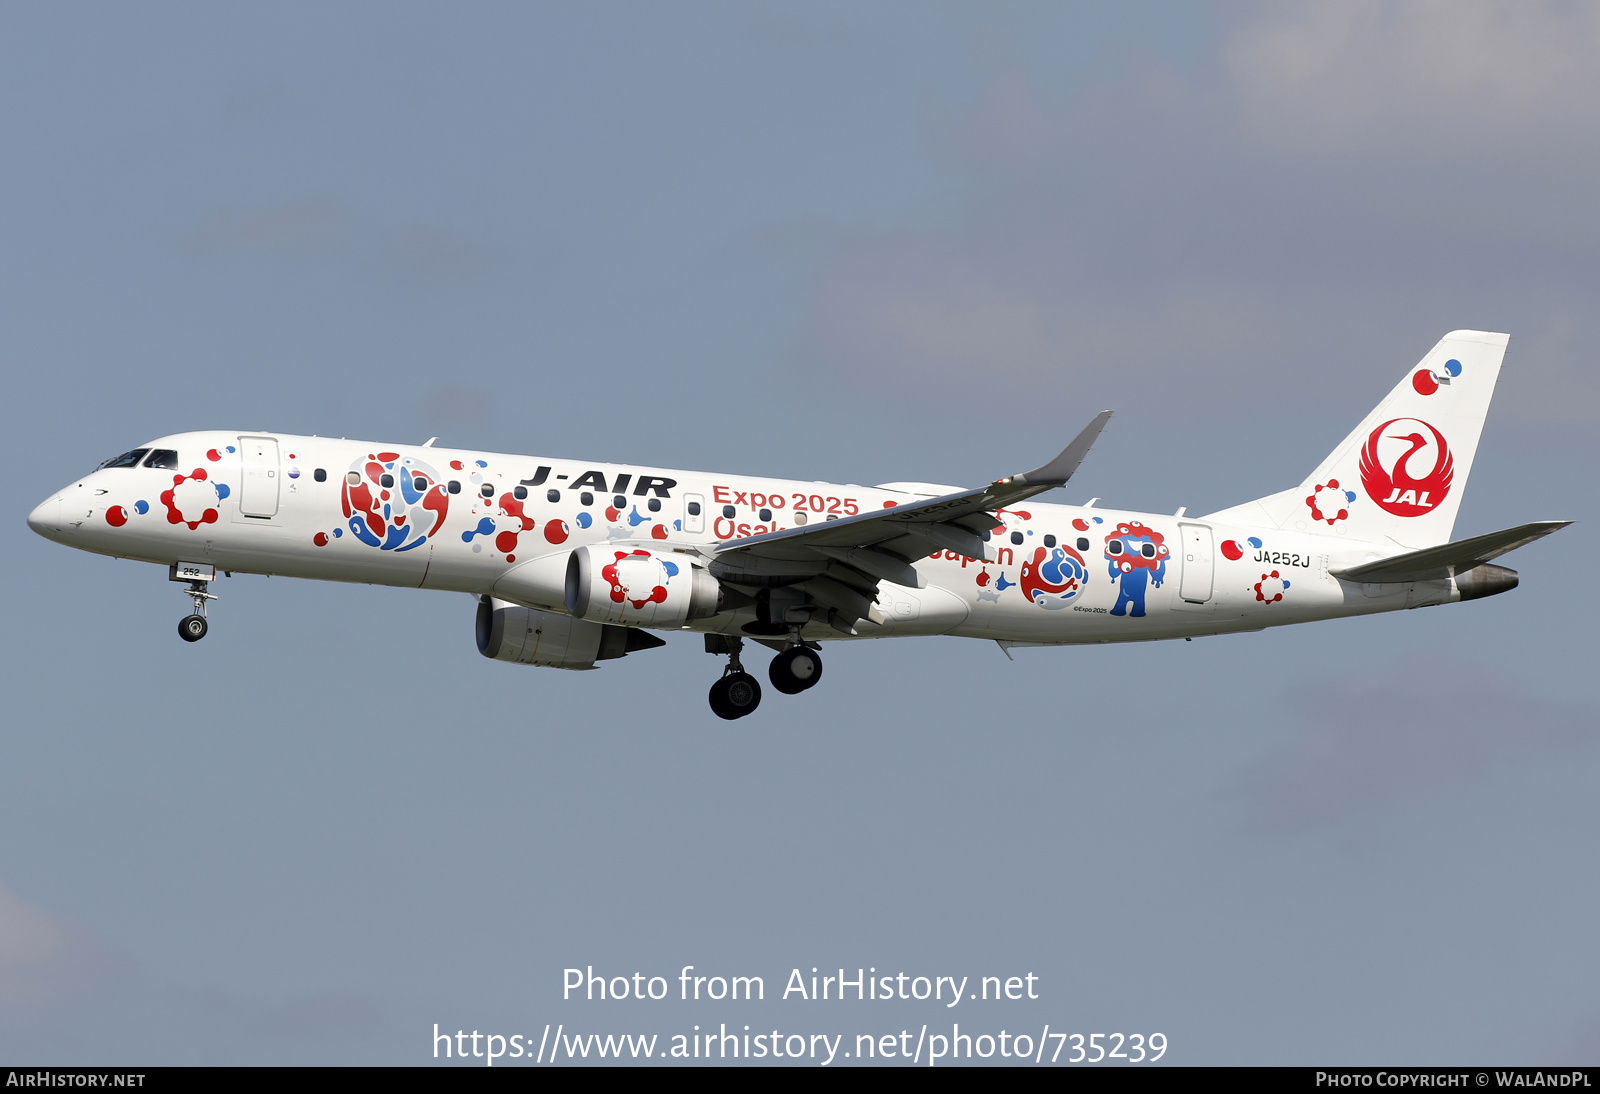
[
  {"x": 737, "y": 693},
  {"x": 192, "y": 628}
]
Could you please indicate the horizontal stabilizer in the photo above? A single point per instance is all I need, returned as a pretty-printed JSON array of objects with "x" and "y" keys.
[{"x": 1449, "y": 559}]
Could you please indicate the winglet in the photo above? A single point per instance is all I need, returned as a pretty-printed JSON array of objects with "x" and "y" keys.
[{"x": 1060, "y": 469}]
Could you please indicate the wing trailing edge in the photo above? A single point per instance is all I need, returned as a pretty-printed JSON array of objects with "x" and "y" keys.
[{"x": 839, "y": 562}]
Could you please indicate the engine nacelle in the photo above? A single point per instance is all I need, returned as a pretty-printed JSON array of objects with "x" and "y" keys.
[
  {"x": 638, "y": 586},
  {"x": 540, "y": 582},
  {"x": 526, "y": 636}
]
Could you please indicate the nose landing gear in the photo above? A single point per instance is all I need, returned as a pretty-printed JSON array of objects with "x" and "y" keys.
[
  {"x": 193, "y": 627},
  {"x": 737, "y": 693}
]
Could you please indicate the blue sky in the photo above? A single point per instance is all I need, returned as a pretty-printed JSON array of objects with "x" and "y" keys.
[{"x": 856, "y": 243}]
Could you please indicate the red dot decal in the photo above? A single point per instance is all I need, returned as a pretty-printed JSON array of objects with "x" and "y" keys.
[
  {"x": 659, "y": 531},
  {"x": 456, "y": 464},
  {"x": 1424, "y": 382},
  {"x": 116, "y": 516},
  {"x": 556, "y": 531},
  {"x": 890, "y": 504},
  {"x": 320, "y": 539},
  {"x": 511, "y": 558},
  {"x": 1083, "y": 526},
  {"x": 1232, "y": 550},
  {"x": 387, "y": 457},
  {"x": 213, "y": 455},
  {"x": 505, "y": 542}
]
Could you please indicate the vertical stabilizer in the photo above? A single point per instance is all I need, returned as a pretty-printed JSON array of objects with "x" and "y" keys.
[{"x": 1400, "y": 475}]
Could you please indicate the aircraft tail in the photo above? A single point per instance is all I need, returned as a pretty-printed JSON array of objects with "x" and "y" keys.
[{"x": 1400, "y": 474}]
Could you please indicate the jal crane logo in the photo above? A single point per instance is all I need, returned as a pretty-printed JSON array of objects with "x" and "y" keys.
[{"x": 1406, "y": 467}]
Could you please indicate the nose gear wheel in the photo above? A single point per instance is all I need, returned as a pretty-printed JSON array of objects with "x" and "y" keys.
[{"x": 192, "y": 628}]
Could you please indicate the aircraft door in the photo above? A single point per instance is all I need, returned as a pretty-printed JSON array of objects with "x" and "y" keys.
[
  {"x": 694, "y": 514},
  {"x": 1198, "y": 563},
  {"x": 258, "y": 489}
]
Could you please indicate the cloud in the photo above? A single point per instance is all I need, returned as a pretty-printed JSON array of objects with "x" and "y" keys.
[
  {"x": 329, "y": 1015},
  {"x": 1362, "y": 747},
  {"x": 1555, "y": 372},
  {"x": 456, "y": 405},
  {"x": 46, "y": 963},
  {"x": 1157, "y": 238},
  {"x": 1440, "y": 77},
  {"x": 328, "y": 230},
  {"x": 298, "y": 228},
  {"x": 1582, "y": 1049},
  {"x": 63, "y": 991}
]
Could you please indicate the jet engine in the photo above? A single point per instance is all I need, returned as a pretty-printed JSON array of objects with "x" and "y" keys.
[
  {"x": 638, "y": 586},
  {"x": 526, "y": 636}
]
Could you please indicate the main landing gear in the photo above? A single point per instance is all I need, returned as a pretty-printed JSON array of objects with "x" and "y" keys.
[
  {"x": 737, "y": 693},
  {"x": 796, "y": 668},
  {"x": 192, "y": 628}
]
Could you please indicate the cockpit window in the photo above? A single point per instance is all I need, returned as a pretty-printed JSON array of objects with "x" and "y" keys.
[
  {"x": 127, "y": 459},
  {"x": 164, "y": 458}
]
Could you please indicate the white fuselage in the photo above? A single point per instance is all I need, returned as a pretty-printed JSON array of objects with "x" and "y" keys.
[{"x": 255, "y": 503}]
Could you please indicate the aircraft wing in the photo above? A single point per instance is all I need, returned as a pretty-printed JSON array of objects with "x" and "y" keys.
[
  {"x": 1448, "y": 559},
  {"x": 839, "y": 563}
]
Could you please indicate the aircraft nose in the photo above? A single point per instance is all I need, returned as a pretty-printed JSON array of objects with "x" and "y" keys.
[{"x": 46, "y": 518}]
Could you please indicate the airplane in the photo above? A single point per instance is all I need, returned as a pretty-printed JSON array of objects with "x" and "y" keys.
[{"x": 573, "y": 563}]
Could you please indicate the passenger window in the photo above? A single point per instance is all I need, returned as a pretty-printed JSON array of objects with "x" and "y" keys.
[
  {"x": 1148, "y": 550},
  {"x": 728, "y": 511},
  {"x": 619, "y": 502},
  {"x": 386, "y": 481},
  {"x": 552, "y": 495},
  {"x": 353, "y": 478},
  {"x": 419, "y": 484},
  {"x": 1114, "y": 547},
  {"x": 1083, "y": 544},
  {"x": 454, "y": 487},
  {"x": 164, "y": 458},
  {"x": 320, "y": 474},
  {"x": 487, "y": 489},
  {"x": 1016, "y": 537},
  {"x": 765, "y": 514},
  {"x": 127, "y": 459},
  {"x": 586, "y": 498},
  {"x": 520, "y": 493},
  {"x": 986, "y": 537},
  {"x": 1049, "y": 541},
  {"x": 694, "y": 509},
  {"x": 655, "y": 505}
]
